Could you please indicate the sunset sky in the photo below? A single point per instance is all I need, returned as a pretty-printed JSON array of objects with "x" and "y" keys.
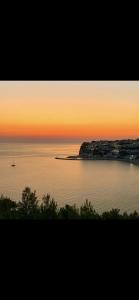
[{"x": 69, "y": 110}]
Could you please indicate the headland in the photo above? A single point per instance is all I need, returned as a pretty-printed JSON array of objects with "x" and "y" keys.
[{"x": 120, "y": 150}]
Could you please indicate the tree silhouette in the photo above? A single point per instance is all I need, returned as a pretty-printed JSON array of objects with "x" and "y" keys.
[
  {"x": 69, "y": 212},
  {"x": 48, "y": 207},
  {"x": 87, "y": 211},
  {"x": 112, "y": 214},
  {"x": 28, "y": 207}
]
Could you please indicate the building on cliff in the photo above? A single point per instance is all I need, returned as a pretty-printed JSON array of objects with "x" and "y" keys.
[{"x": 123, "y": 149}]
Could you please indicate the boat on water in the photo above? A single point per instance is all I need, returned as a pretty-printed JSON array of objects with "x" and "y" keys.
[{"x": 13, "y": 165}]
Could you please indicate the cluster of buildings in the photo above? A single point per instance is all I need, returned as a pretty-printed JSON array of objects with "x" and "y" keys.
[{"x": 118, "y": 149}]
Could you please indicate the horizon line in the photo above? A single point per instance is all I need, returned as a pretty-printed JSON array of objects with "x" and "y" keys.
[{"x": 62, "y": 140}]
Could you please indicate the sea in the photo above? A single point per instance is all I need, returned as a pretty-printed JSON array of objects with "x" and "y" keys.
[{"x": 106, "y": 184}]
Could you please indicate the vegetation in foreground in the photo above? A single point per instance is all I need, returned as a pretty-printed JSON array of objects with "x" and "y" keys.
[{"x": 31, "y": 208}]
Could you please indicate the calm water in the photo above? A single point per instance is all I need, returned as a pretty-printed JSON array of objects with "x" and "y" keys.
[{"x": 108, "y": 184}]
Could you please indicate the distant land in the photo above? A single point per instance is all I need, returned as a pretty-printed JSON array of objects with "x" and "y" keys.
[{"x": 123, "y": 150}]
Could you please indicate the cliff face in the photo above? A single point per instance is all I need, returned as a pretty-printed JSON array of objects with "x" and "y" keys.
[
  {"x": 120, "y": 149},
  {"x": 84, "y": 150}
]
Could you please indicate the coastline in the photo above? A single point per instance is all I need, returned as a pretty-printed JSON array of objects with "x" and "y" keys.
[
  {"x": 109, "y": 159},
  {"x": 118, "y": 150}
]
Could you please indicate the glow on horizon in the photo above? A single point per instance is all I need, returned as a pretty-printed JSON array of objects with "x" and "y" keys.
[{"x": 74, "y": 110}]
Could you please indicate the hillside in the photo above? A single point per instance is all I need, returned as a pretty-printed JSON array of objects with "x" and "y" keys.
[{"x": 127, "y": 150}]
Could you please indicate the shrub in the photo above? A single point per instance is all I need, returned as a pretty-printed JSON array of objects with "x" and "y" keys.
[
  {"x": 87, "y": 211},
  {"x": 69, "y": 212},
  {"x": 48, "y": 208},
  {"x": 112, "y": 214},
  {"x": 7, "y": 207}
]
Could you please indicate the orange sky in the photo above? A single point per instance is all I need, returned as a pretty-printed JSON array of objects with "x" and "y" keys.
[{"x": 78, "y": 110}]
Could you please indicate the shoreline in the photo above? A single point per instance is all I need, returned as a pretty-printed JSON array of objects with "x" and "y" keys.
[{"x": 108, "y": 159}]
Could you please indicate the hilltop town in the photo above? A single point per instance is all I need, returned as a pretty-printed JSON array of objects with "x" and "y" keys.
[
  {"x": 123, "y": 150},
  {"x": 127, "y": 150}
]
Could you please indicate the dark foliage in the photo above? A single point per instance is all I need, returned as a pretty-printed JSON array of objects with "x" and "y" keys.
[
  {"x": 88, "y": 212},
  {"x": 7, "y": 208},
  {"x": 31, "y": 208},
  {"x": 28, "y": 207},
  {"x": 69, "y": 212},
  {"x": 123, "y": 153},
  {"x": 112, "y": 214},
  {"x": 48, "y": 208}
]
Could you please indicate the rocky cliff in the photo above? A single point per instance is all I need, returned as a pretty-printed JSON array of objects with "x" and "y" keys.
[{"x": 118, "y": 149}]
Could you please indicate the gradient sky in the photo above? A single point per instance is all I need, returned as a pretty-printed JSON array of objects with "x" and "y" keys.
[{"x": 69, "y": 110}]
